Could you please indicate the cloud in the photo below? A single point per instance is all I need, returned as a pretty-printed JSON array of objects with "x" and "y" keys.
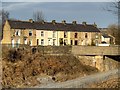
[{"x": 16, "y": 5}]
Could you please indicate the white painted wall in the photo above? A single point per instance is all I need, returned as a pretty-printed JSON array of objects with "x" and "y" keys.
[{"x": 48, "y": 37}]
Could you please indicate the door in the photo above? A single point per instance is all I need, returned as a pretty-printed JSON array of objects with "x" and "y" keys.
[
  {"x": 37, "y": 41},
  {"x": 76, "y": 42}
]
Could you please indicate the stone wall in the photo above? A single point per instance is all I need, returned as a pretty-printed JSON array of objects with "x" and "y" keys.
[
  {"x": 54, "y": 49},
  {"x": 96, "y": 50},
  {"x": 43, "y": 49},
  {"x": 100, "y": 62}
]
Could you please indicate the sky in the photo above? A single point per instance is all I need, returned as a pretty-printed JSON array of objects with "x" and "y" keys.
[{"x": 70, "y": 11}]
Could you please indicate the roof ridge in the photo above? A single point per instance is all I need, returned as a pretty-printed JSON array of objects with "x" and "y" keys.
[{"x": 50, "y": 22}]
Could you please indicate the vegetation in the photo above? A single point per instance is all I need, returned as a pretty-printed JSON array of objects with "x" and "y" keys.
[
  {"x": 38, "y": 16},
  {"x": 5, "y": 15},
  {"x": 115, "y": 32},
  {"x": 22, "y": 67}
]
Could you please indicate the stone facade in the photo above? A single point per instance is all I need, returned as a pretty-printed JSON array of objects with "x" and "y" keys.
[{"x": 31, "y": 35}]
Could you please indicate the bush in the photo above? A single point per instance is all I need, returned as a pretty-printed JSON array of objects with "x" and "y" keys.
[{"x": 14, "y": 55}]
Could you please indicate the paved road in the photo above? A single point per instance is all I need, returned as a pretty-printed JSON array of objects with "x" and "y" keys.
[{"x": 82, "y": 82}]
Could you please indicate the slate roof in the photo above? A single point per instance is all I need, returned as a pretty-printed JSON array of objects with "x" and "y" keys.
[{"x": 50, "y": 26}]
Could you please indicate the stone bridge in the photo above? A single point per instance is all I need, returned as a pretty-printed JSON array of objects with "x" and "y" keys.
[{"x": 96, "y": 50}]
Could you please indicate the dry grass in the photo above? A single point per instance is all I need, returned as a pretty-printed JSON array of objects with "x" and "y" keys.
[{"x": 21, "y": 67}]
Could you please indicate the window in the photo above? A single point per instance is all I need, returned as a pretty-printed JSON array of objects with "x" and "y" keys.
[
  {"x": 76, "y": 42},
  {"x": 65, "y": 42},
  {"x": 61, "y": 41},
  {"x": 17, "y": 33},
  {"x": 71, "y": 42},
  {"x": 96, "y": 36},
  {"x": 30, "y": 42},
  {"x": 76, "y": 35},
  {"x": 54, "y": 41},
  {"x": 86, "y": 36},
  {"x": 49, "y": 43},
  {"x": 65, "y": 34},
  {"x": 42, "y": 33},
  {"x": 96, "y": 43},
  {"x": 42, "y": 41},
  {"x": 25, "y": 40},
  {"x": 30, "y": 33},
  {"x": 12, "y": 42},
  {"x": 54, "y": 34},
  {"x": 17, "y": 42}
]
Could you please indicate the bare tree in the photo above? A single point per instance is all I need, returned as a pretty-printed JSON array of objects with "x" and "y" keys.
[
  {"x": 38, "y": 16},
  {"x": 5, "y": 15},
  {"x": 114, "y": 31},
  {"x": 113, "y": 7}
]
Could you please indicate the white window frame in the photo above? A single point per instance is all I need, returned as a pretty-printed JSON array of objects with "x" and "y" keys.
[
  {"x": 25, "y": 40},
  {"x": 54, "y": 40},
  {"x": 42, "y": 41},
  {"x": 17, "y": 33},
  {"x": 31, "y": 42},
  {"x": 65, "y": 34},
  {"x": 42, "y": 33},
  {"x": 13, "y": 42},
  {"x": 30, "y": 31}
]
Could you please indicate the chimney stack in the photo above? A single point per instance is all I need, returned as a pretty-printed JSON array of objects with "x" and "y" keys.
[
  {"x": 74, "y": 22},
  {"x": 84, "y": 23},
  {"x": 95, "y": 25},
  {"x": 43, "y": 22},
  {"x": 54, "y": 22},
  {"x": 64, "y": 22},
  {"x": 31, "y": 20}
]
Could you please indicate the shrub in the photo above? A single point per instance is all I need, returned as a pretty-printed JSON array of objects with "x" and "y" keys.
[{"x": 14, "y": 55}]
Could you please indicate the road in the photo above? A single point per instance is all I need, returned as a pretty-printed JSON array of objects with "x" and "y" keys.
[{"x": 83, "y": 82}]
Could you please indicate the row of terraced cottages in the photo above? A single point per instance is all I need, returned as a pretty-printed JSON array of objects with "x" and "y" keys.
[{"x": 33, "y": 33}]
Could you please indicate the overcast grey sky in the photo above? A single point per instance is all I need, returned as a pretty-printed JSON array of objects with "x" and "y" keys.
[{"x": 80, "y": 11}]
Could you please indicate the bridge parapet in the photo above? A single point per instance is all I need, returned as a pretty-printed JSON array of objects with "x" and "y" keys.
[{"x": 96, "y": 50}]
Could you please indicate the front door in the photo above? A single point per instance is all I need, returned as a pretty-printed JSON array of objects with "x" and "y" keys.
[
  {"x": 37, "y": 41},
  {"x": 76, "y": 42}
]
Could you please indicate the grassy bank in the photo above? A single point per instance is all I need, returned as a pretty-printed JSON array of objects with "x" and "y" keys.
[{"x": 22, "y": 67}]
